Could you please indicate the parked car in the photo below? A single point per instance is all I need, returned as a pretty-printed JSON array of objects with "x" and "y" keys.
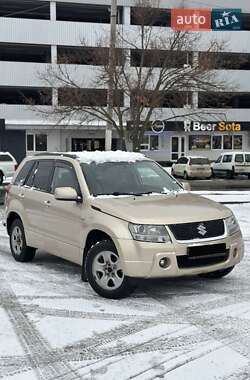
[
  {"x": 8, "y": 166},
  {"x": 231, "y": 164},
  {"x": 121, "y": 217},
  {"x": 192, "y": 167}
]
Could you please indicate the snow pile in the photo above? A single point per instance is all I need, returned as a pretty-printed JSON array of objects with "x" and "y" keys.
[{"x": 100, "y": 157}]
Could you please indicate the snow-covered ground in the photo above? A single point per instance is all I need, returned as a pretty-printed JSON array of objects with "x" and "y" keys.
[{"x": 53, "y": 326}]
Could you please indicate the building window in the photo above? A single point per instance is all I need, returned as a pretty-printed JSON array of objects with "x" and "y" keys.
[
  {"x": 217, "y": 142},
  {"x": 36, "y": 142},
  {"x": 160, "y": 58},
  {"x": 85, "y": 13},
  {"x": 25, "y": 95},
  {"x": 150, "y": 142},
  {"x": 87, "y": 97},
  {"x": 81, "y": 55},
  {"x": 199, "y": 142},
  {"x": 225, "y": 61},
  {"x": 228, "y": 142},
  {"x": 32, "y": 9},
  {"x": 25, "y": 53},
  {"x": 237, "y": 142},
  {"x": 224, "y": 100},
  {"x": 246, "y": 21},
  {"x": 150, "y": 16}
]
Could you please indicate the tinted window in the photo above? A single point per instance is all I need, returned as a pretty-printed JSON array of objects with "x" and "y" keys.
[
  {"x": 227, "y": 158},
  {"x": 239, "y": 158},
  {"x": 23, "y": 174},
  {"x": 64, "y": 176},
  {"x": 199, "y": 161},
  {"x": 43, "y": 174},
  {"x": 247, "y": 157},
  {"x": 218, "y": 160},
  {"x": 182, "y": 160},
  {"x": 5, "y": 157}
]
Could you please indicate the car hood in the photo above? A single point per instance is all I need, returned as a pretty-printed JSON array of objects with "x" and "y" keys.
[{"x": 161, "y": 209}]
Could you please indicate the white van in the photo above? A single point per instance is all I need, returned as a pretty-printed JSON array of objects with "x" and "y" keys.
[{"x": 232, "y": 164}]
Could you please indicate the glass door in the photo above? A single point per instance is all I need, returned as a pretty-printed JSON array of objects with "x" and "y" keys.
[{"x": 177, "y": 147}]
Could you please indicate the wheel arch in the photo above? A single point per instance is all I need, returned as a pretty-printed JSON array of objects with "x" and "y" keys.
[
  {"x": 11, "y": 217},
  {"x": 93, "y": 237}
]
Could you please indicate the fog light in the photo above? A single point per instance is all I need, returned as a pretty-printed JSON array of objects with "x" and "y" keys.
[
  {"x": 164, "y": 262},
  {"x": 235, "y": 253}
]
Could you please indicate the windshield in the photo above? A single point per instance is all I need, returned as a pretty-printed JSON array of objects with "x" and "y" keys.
[
  {"x": 199, "y": 161},
  {"x": 122, "y": 178}
]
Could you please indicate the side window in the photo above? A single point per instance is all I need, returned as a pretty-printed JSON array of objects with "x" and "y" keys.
[
  {"x": 227, "y": 158},
  {"x": 218, "y": 160},
  {"x": 5, "y": 158},
  {"x": 65, "y": 176},
  {"x": 239, "y": 158},
  {"x": 43, "y": 175},
  {"x": 23, "y": 174}
]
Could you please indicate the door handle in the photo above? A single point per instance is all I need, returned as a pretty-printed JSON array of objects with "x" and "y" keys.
[
  {"x": 21, "y": 195},
  {"x": 47, "y": 203}
]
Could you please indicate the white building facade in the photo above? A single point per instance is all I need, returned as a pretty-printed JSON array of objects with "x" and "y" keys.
[{"x": 34, "y": 33}]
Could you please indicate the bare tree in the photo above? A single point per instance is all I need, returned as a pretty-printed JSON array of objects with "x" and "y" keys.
[{"x": 154, "y": 69}]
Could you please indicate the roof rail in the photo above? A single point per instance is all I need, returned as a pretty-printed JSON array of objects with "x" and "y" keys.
[{"x": 59, "y": 154}]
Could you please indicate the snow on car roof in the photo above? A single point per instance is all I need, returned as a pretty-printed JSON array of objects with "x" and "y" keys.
[{"x": 110, "y": 156}]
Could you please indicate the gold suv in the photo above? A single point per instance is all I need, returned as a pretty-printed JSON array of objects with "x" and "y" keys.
[{"x": 120, "y": 216}]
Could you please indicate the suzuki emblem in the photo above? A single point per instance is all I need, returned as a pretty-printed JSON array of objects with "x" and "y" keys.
[{"x": 202, "y": 229}]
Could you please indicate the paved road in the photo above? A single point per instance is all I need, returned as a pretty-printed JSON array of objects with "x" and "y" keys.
[{"x": 54, "y": 327}]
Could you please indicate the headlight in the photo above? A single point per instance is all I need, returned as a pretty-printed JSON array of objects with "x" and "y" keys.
[
  {"x": 149, "y": 233},
  {"x": 232, "y": 225}
]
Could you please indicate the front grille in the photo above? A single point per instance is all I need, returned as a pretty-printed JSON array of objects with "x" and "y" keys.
[
  {"x": 198, "y": 230},
  {"x": 203, "y": 255}
]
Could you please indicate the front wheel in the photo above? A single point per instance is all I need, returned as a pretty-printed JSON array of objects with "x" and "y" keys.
[
  {"x": 19, "y": 249},
  {"x": 218, "y": 273},
  {"x": 105, "y": 273}
]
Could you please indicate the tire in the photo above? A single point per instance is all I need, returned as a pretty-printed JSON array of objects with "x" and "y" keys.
[
  {"x": 104, "y": 271},
  {"x": 172, "y": 173},
  {"x": 217, "y": 274},
  {"x": 212, "y": 174},
  {"x": 1, "y": 178},
  {"x": 186, "y": 177},
  {"x": 19, "y": 249},
  {"x": 248, "y": 176}
]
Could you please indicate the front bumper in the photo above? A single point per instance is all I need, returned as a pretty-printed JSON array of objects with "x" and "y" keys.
[{"x": 142, "y": 259}]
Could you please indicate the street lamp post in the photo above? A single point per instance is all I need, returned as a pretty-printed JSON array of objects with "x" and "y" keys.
[{"x": 112, "y": 64}]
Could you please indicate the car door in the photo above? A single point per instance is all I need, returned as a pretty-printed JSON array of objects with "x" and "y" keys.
[
  {"x": 65, "y": 224},
  {"x": 35, "y": 201},
  {"x": 239, "y": 164},
  {"x": 226, "y": 165}
]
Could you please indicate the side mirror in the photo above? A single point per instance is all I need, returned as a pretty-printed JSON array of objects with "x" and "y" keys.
[
  {"x": 66, "y": 194},
  {"x": 186, "y": 186}
]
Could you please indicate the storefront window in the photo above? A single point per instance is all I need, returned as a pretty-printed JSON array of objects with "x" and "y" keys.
[
  {"x": 41, "y": 142},
  {"x": 36, "y": 142},
  {"x": 199, "y": 142},
  {"x": 150, "y": 142},
  {"x": 238, "y": 142},
  {"x": 228, "y": 142},
  {"x": 217, "y": 142},
  {"x": 30, "y": 142}
]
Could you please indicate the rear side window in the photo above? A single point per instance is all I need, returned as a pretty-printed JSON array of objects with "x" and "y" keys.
[
  {"x": 227, "y": 158},
  {"x": 239, "y": 158},
  {"x": 247, "y": 158},
  {"x": 43, "y": 175},
  {"x": 23, "y": 174},
  {"x": 5, "y": 158},
  {"x": 218, "y": 160}
]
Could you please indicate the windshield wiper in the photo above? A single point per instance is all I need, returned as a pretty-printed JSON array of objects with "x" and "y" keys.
[{"x": 117, "y": 193}]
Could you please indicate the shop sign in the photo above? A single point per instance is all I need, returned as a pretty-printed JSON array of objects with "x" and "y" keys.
[
  {"x": 197, "y": 126},
  {"x": 158, "y": 126}
]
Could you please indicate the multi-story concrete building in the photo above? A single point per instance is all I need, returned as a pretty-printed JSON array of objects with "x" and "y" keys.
[{"x": 35, "y": 33}]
